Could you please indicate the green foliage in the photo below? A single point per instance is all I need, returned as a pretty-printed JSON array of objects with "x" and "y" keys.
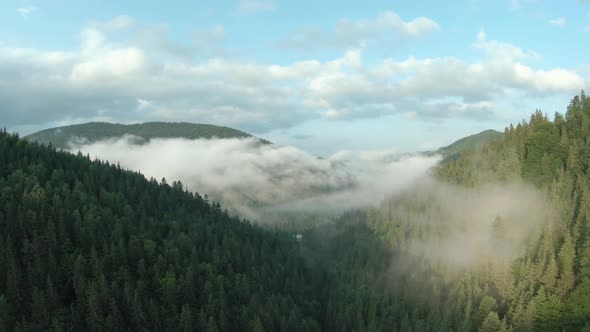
[
  {"x": 467, "y": 144},
  {"x": 491, "y": 323},
  {"x": 377, "y": 280},
  {"x": 87, "y": 246}
]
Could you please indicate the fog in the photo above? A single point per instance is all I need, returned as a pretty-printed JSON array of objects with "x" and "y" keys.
[
  {"x": 462, "y": 227},
  {"x": 449, "y": 225},
  {"x": 257, "y": 180}
]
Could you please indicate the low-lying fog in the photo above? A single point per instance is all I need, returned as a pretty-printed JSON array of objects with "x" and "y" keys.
[
  {"x": 250, "y": 177},
  {"x": 266, "y": 182}
]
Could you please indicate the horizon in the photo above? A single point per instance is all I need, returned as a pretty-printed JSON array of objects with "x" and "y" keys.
[{"x": 434, "y": 149}]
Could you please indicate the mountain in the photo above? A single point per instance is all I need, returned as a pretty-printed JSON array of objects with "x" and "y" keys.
[
  {"x": 499, "y": 240},
  {"x": 96, "y": 131},
  {"x": 88, "y": 246},
  {"x": 467, "y": 144}
]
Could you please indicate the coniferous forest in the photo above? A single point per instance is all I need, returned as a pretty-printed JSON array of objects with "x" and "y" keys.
[{"x": 89, "y": 246}]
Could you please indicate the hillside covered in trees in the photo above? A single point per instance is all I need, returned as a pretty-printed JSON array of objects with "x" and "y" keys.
[
  {"x": 467, "y": 144},
  {"x": 92, "y": 132},
  {"x": 87, "y": 246},
  {"x": 496, "y": 239},
  {"x": 393, "y": 267}
]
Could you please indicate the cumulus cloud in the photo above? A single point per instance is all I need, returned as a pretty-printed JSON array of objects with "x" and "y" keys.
[
  {"x": 261, "y": 180},
  {"x": 107, "y": 80},
  {"x": 27, "y": 10},
  {"x": 352, "y": 33},
  {"x": 112, "y": 64},
  {"x": 248, "y": 7}
]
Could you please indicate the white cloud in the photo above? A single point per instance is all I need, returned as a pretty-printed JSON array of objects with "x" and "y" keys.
[
  {"x": 387, "y": 26},
  {"x": 27, "y": 10},
  {"x": 143, "y": 104},
  {"x": 587, "y": 28},
  {"x": 500, "y": 50},
  {"x": 120, "y": 22},
  {"x": 389, "y": 21},
  {"x": 131, "y": 83},
  {"x": 115, "y": 64},
  {"x": 559, "y": 21},
  {"x": 246, "y": 7},
  {"x": 92, "y": 40}
]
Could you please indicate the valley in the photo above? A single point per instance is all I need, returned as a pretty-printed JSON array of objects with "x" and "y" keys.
[{"x": 494, "y": 238}]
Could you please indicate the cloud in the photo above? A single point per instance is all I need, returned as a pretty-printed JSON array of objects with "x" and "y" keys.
[
  {"x": 500, "y": 50},
  {"x": 249, "y": 7},
  {"x": 587, "y": 28},
  {"x": 212, "y": 42},
  {"x": 120, "y": 22},
  {"x": 27, "y": 10},
  {"x": 116, "y": 64},
  {"x": 105, "y": 80},
  {"x": 559, "y": 21},
  {"x": 210, "y": 36},
  {"x": 387, "y": 26},
  {"x": 157, "y": 39},
  {"x": 258, "y": 180}
]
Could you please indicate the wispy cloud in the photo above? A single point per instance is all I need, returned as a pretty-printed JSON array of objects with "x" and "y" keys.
[
  {"x": 558, "y": 21},
  {"x": 248, "y": 7},
  {"x": 27, "y": 10},
  {"x": 120, "y": 22},
  {"x": 386, "y": 26},
  {"x": 501, "y": 50}
]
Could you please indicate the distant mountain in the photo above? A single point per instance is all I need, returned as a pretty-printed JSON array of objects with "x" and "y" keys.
[
  {"x": 467, "y": 144},
  {"x": 96, "y": 131}
]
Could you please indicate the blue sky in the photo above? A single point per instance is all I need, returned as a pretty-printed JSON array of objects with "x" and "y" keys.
[{"x": 322, "y": 76}]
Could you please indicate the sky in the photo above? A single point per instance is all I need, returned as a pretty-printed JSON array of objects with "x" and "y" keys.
[{"x": 322, "y": 76}]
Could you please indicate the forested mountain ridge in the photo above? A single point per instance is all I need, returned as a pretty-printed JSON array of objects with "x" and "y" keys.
[
  {"x": 96, "y": 131},
  {"x": 87, "y": 246},
  {"x": 543, "y": 286},
  {"x": 468, "y": 144},
  {"x": 551, "y": 290}
]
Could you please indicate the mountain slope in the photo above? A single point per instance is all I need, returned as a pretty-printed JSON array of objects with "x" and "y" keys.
[
  {"x": 429, "y": 259},
  {"x": 469, "y": 143},
  {"x": 96, "y": 131},
  {"x": 87, "y": 246}
]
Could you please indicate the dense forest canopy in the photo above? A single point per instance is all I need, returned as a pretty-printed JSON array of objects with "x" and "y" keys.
[
  {"x": 90, "y": 246},
  {"x": 546, "y": 287}
]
